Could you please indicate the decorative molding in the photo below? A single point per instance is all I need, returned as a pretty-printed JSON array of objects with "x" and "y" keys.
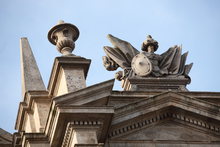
[
  {"x": 86, "y": 95},
  {"x": 61, "y": 115},
  {"x": 165, "y": 100},
  {"x": 79, "y": 124},
  {"x": 155, "y": 84},
  {"x": 168, "y": 115}
]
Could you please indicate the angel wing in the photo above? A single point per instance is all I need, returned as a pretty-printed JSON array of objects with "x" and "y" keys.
[{"x": 122, "y": 53}]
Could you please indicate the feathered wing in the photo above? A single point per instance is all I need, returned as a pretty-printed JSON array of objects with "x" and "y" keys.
[{"x": 122, "y": 53}]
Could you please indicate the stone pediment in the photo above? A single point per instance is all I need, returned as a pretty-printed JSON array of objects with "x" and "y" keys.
[
  {"x": 93, "y": 95},
  {"x": 169, "y": 130},
  {"x": 172, "y": 111}
]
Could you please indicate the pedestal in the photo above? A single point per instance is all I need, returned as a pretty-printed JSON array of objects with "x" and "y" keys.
[
  {"x": 68, "y": 75},
  {"x": 155, "y": 84}
]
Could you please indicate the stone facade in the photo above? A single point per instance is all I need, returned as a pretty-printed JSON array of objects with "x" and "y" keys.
[{"x": 154, "y": 112}]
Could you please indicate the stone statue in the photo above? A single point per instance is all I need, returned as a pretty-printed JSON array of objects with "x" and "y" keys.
[{"x": 146, "y": 63}]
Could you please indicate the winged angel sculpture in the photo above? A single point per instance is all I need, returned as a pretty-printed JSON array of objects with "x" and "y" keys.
[{"x": 146, "y": 63}]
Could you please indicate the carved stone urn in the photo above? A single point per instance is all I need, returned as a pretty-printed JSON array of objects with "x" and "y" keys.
[{"x": 64, "y": 35}]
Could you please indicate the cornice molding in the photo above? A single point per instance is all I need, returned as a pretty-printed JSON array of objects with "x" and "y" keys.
[
  {"x": 151, "y": 104},
  {"x": 86, "y": 95},
  {"x": 139, "y": 124}
]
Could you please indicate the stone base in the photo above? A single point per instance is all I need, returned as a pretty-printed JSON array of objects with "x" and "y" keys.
[
  {"x": 68, "y": 75},
  {"x": 155, "y": 84}
]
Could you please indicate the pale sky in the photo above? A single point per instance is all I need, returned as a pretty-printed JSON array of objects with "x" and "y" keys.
[{"x": 193, "y": 23}]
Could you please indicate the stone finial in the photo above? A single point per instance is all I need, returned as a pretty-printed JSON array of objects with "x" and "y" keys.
[
  {"x": 31, "y": 77},
  {"x": 64, "y": 35}
]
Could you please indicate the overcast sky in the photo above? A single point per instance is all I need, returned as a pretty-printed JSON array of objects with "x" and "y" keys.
[{"x": 193, "y": 23}]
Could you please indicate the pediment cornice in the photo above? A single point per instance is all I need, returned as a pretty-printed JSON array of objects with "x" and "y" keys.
[
  {"x": 167, "y": 99},
  {"x": 169, "y": 105},
  {"x": 86, "y": 95},
  {"x": 170, "y": 114}
]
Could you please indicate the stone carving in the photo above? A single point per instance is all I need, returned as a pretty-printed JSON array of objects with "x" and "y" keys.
[
  {"x": 64, "y": 35},
  {"x": 146, "y": 63}
]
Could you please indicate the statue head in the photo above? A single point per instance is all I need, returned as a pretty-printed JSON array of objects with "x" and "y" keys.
[{"x": 150, "y": 45}]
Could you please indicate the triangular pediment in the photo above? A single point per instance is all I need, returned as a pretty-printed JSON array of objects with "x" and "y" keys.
[
  {"x": 169, "y": 130},
  {"x": 170, "y": 113},
  {"x": 165, "y": 101},
  {"x": 95, "y": 95}
]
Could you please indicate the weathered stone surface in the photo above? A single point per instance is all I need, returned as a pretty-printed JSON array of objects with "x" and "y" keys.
[
  {"x": 34, "y": 140},
  {"x": 160, "y": 144},
  {"x": 68, "y": 75},
  {"x": 170, "y": 130},
  {"x": 5, "y": 138},
  {"x": 146, "y": 63},
  {"x": 71, "y": 80},
  {"x": 31, "y": 77},
  {"x": 90, "y": 117},
  {"x": 33, "y": 112},
  {"x": 64, "y": 35},
  {"x": 155, "y": 84},
  {"x": 173, "y": 120}
]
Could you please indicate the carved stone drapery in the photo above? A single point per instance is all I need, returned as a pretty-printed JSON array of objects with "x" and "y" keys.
[{"x": 134, "y": 63}]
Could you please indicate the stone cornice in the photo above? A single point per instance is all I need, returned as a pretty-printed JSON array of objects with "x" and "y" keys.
[
  {"x": 165, "y": 115},
  {"x": 33, "y": 137},
  {"x": 60, "y": 115},
  {"x": 68, "y": 108},
  {"x": 86, "y": 95},
  {"x": 83, "y": 125},
  {"x": 164, "y": 100},
  {"x": 142, "y": 94},
  {"x": 22, "y": 139}
]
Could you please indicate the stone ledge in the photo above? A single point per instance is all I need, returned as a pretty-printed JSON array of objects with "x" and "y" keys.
[
  {"x": 155, "y": 84},
  {"x": 61, "y": 115}
]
